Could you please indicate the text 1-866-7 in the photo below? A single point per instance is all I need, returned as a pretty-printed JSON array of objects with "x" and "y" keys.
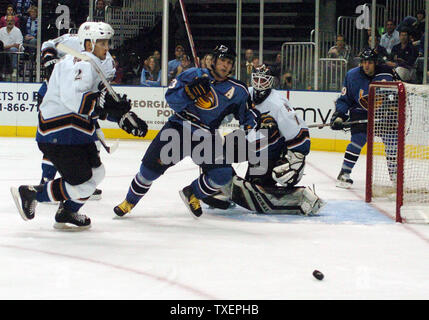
[{"x": 19, "y": 107}]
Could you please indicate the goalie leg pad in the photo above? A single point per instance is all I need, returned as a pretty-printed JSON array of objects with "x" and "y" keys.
[{"x": 276, "y": 200}]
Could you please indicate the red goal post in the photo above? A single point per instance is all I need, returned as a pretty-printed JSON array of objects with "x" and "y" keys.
[{"x": 397, "y": 174}]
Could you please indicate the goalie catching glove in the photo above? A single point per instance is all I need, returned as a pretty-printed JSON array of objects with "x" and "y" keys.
[
  {"x": 289, "y": 170},
  {"x": 132, "y": 124},
  {"x": 199, "y": 87}
]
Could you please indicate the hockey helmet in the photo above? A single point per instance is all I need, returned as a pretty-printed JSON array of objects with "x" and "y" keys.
[
  {"x": 262, "y": 78},
  {"x": 262, "y": 82},
  {"x": 369, "y": 54},
  {"x": 94, "y": 31},
  {"x": 222, "y": 51}
]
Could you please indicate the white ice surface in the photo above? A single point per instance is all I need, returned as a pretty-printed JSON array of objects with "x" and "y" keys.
[{"x": 160, "y": 252}]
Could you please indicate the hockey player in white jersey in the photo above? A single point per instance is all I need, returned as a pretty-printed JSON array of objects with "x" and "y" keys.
[
  {"x": 288, "y": 144},
  {"x": 289, "y": 138},
  {"x": 49, "y": 56},
  {"x": 66, "y": 131}
]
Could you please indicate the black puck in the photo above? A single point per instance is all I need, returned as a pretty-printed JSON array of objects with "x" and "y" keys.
[{"x": 318, "y": 275}]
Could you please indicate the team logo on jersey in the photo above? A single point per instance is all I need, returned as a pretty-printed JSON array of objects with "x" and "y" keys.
[
  {"x": 208, "y": 102},
  {"x": 344, "y": 91},
  {"x": 364, "y": 100}
]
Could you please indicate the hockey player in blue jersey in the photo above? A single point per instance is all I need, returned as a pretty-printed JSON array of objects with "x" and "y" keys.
[
  {"x": 201, "y": 99},
  {"x": 352, "y": 106}
]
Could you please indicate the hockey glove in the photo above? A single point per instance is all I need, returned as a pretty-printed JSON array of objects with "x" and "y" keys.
[
  {"x": 199, "y": 87},
  {"x": 132, "y": 124},
  {"x": 289, "y": 170},
  {"x": 48, "y": 60},
  {"x": 252, "y": 120},
  {"x": 337, "y": 120},
  {"x": 114, "y": 109}
]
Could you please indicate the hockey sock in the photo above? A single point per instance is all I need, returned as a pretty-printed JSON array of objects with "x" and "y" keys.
[
  {"x": 74, "y": 205},
  {"x": 48, "y": 170},
  {"x": 353, "y": 151},
  {"x": 54, "y": 190},
  {"x": 138, "y": 188},
  {"x": 203, "y": 187}
]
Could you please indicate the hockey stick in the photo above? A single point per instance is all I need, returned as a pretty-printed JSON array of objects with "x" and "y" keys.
[
  {"x": 322, "y": 125},
  {"x": 97, "y": 69},
  {"x": 188, "y": 31},
  {"x": 109, "y": 149}
]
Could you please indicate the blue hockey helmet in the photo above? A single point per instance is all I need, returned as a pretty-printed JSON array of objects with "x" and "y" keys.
[{"x": 369, "y": 54}]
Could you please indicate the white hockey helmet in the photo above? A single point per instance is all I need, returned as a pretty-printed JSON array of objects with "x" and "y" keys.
[{"x": 94, "y": 31}]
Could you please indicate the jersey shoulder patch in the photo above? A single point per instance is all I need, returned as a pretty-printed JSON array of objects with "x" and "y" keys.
[{"x": 239, "y": 84}]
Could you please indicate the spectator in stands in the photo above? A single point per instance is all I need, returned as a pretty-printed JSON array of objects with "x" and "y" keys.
[
  {"x": 383, "y": 56},
  {"x": 404, "y": 55},
  {"x": 391, "y": 37},
  {"x": 173, "y": 64},
  {"x": 185, "y": 64},
  {"x": 276, "y": 66},
  {"x": 419, "y": 25},
  {"x": 22, "y": 6},
  {"x": 255, "y": 63},
  {"x": 30, "y": 37},
  {"x": 133, "y": 70},
  {"x": 12, "y": 40},
  {"x": 99, "y": 11},
  {"x": 341, "y": 50},
  {"x": 406, "y": 23},
  {"x": 151, "y": 77},
  {"x": 247, "y": 67},
  {"x": 119, "y": 71},
  {"x": 157, "y": 55},
  {"x": 206, "y": 61},
  {"x": 286, "y": 81},
  {"x": 146, "y": 64},
  {"x": 9, "y": 12}
]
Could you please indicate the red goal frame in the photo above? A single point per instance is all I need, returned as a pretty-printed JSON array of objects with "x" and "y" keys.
[{"x": 402, "y": 98}]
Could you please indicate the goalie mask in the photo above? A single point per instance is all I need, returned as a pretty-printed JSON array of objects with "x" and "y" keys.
[
  {"x": 94, "y": 31},
  {"x": 262, "y": 82}
]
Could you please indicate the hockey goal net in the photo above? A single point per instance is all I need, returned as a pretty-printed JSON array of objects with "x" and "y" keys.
[{"x": 398, "y": 149}]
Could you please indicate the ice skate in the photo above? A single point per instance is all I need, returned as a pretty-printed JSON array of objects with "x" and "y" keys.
[
  {"x": 96, "y": 195},
  {"x": 191, "y": 202},
  {"x": 68, "y": 220},
  {"x": 123, "y": 208},
  {"x": 344, "y": 181},
  {"x": 25, "y": 201}
]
